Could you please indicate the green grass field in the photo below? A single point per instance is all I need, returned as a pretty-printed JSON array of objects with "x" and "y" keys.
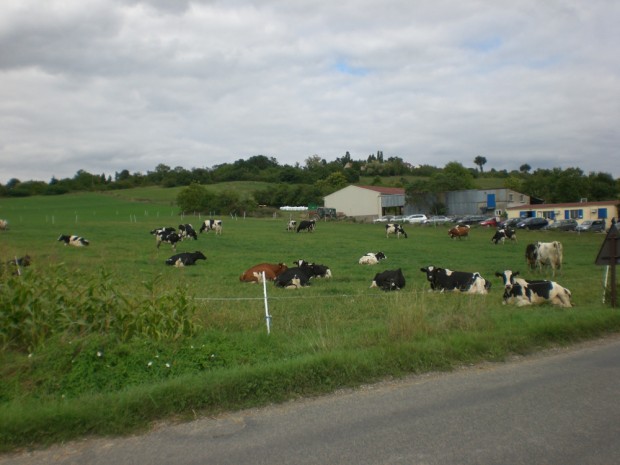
[{"x": 334, "y": 333}]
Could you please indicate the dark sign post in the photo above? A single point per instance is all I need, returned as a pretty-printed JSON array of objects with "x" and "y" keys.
[{"x": 608, "y": 255}]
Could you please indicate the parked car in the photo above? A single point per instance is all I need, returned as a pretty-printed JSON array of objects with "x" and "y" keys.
[
  {"x": 562, "y": 225},
  {"x": 510, "y": 223},
  {"x": 471, "y": 219},
  {"x": 398, "y": 219},
  {"x": 383, "y": 219},
  {"x": 533, "y": 222},
  {"x": 439, "y": 219},
  {"x": 416, "y": 219},
  {"x": 489, "y": 222},
  {"x": 591, "y": 226}
]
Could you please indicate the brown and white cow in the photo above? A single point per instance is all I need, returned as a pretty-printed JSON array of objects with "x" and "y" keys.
[
  {"x": 254, "y": 274},
  {"x": 522, "y": 292},
  {"x": 460, "y": 231}
]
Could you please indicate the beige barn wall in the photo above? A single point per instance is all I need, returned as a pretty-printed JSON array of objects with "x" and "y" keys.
[{"x": 355, "y": 201}]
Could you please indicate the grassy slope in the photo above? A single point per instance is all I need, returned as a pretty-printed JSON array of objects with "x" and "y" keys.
[{"x": 332, "y": 334}]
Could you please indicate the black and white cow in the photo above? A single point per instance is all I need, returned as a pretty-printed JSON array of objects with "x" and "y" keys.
[
  {"x": 187, "y": 231},
  {"x": 314, "y": 270},
  {"x": 293, "y": 278},
  {"x": 307, "y": 225},
  {"x": 531, "y": 256},
  {"x": 443, "y": 279},
  {"x": 291, "y": 225},
  {"x": 389, "y": 280},
  {"x": 75, "y": 241},
  {"x": 167, "y": 235},
  {"x": 502, "y": 234},
  {"x": 522, "y": 292},
  {"x": 372, "y": 258},
  {"x": 212, "y": 225},
  {"x": 185, "y": 258},
  {"x": 394, "y": 228}
]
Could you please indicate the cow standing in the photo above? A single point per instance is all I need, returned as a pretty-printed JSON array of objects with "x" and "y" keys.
[
  {"x": 389, "y": 280},
  {"x": 530, "y": 256},
  {"x": 75, "y": 241},
  {"x": 291, "y": 225},
  {"x": 187, "y": 231},
  {"x": 211, "y": 225},
  {"x": 460, "y": 231},
  {"x": 502, "y": 234},
  {"x": 307, "y": 225},
  {"x": 395, "y": 228},
  {"x": 522, "y": 292},
  {"x": 255, "y": 273},
  {"x": 185, "y": 259},
  {"x": 372, "y": 258},
  {"x": 443, "y": 279},
  {"x": 167, "y": 235},
  {"x": 4, "y": 225},
  {"x": 549, "y": 254}
]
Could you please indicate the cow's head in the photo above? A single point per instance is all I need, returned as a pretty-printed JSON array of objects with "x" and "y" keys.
[
  {"x": 508, "y": 277},
  {"x": 431, "y": 273},
  {"x": 380, "y": 256}
]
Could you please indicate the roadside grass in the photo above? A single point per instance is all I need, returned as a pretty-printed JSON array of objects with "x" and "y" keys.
[{"x": 335, "y": 333}]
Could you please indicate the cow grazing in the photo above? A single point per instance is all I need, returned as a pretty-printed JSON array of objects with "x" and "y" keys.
[
  {"x": 442, "y": 279},
  {"x": 502, "y": 234},
  {"x": 187, "y": 231},
  {"x": 372, "y": 258},
  {"x": 394, "y": 228},
  {"x": 389, "y": 280},
  {"x": 307, "y": 225},
  {"x": 522, "y": 292},
  {"x": 4, "y": 225},
  {"x": 460, "y": 231},
  {"x": 255, "y": 273},
  {"x": 549, "y": 254},
  {"x": 212, "y": 225},
  {"x": 291, "y": 225},
  {"x": 314, "y": 270},
  {"x": 530, "y": 256},
  {"x": 292, "y": 278},
  {"x": 75, "y": 241},
  {"x": 167, "y": 235},
  {"x": 185, "y": 259}
]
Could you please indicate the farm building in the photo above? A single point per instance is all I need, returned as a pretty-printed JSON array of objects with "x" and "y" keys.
[
  {"x": 367, "y": 202},
  {"x": 580, "y": 211},
  {"x": 492, "y": 202}
]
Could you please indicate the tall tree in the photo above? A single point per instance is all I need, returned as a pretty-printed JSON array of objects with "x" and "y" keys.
[{"x": 480, "y": 161}]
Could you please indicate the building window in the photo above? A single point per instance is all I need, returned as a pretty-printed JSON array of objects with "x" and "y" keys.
[
  {"x": 521, "y": 199},
  {"x": 575, "y": 214},
  {"x": 510, "y": 197}
]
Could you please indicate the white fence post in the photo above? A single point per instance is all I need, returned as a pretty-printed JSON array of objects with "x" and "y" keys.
[{"x": 267, "y": 315}]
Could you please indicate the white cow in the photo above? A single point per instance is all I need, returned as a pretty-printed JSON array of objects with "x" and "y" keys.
[
  {"x": 549, "y": 254},
  {"x": 372, "y": 258}
]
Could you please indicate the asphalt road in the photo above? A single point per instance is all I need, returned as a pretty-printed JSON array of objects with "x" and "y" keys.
[{"x": 559, "y": 407}]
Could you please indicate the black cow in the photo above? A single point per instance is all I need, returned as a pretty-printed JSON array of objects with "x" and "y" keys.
[
  {"x": 524, "y": 292},
  {"x": 306, "y": 225},
  {"x": 185, "y": 258},
  {"x": 75, "y": 241},
  {"x": 394, "y": 228},
  {"x": 502, "y": 234},
  {"x": 314, "y": 270},
  {"x": 186, "y": 231},
  {"x": 293, "y": 278},
  {"x": 389, "y": 280},
  {"x": 531, "y": 256},
  {"x": 442, "y": 279}
]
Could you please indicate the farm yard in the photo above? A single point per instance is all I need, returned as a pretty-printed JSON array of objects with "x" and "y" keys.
[{"x": 106, "y": 338}]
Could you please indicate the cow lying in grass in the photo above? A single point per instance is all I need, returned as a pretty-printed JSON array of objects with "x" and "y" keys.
[
  {"x": 185, "y": 259},
  {"x": 314, "y": 270},
  {"x": 372, "y": 258},
  {"x": 75, "y": 241},
  {"x": 522, "y": 292},
  {"x": 293, "y": 278},
  {"x": 389, "y": 280},
  {"x": 442, "y": 279},
  {"x": 255, "y": 273}
]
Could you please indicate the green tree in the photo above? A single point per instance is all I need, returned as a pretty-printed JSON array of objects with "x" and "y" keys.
[
  {"x": 195, "y": 198},
  {"x": 480, "y": 162}
]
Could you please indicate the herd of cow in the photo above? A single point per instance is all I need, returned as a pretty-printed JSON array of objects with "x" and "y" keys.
[{"x": 516, "y": 290}]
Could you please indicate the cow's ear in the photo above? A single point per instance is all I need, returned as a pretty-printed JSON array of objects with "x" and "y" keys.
[
  {"x": 498, "y": 274},
  {"x": 424, "y": 270},
  {"x": 516, "y": 273}
]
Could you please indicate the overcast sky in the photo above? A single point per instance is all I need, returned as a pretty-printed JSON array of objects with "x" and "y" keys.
[{"x": 107, "y": 85}]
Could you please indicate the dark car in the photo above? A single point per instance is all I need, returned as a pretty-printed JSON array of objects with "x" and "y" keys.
[
  {"x": 471, "y": 219},
  {"x": 533, "y": 222},
  {"x": 510, "y": 223},
  {"x": 562, "y": 225},
  {"x": 591, "y": 226}
]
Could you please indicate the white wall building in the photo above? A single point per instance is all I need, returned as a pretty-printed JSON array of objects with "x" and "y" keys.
[{"x": 367, "y": 201}]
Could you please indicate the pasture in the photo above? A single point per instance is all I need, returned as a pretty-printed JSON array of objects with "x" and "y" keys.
[{"x": 336, "y": 332}]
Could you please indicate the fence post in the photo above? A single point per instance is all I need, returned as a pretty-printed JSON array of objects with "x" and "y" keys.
[{"x": 267, "y": 315}]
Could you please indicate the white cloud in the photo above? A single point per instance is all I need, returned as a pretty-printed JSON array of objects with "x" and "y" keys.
[{"x": 110, "y": 85}]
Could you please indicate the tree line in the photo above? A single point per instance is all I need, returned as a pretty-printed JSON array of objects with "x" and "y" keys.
[{"x": 309, "y": 183}]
